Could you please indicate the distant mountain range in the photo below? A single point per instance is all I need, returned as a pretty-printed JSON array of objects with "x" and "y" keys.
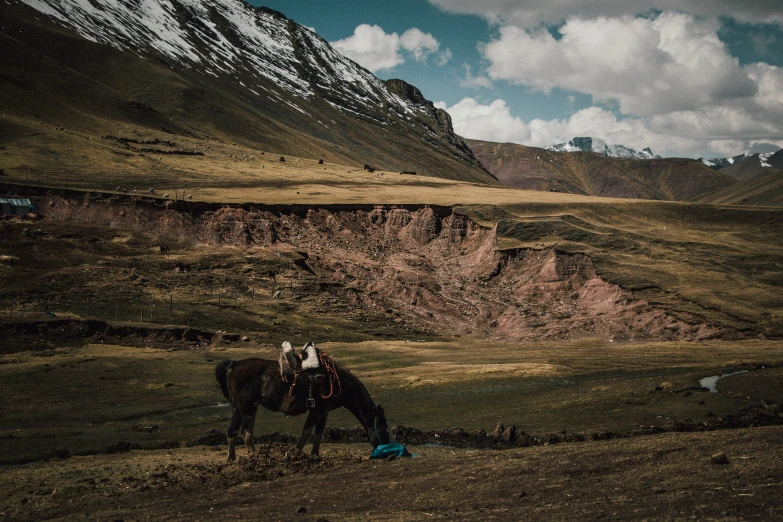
[
  {"x": 744, "y": 166},
  {"x": 764, "y": 151},
  {"x": 212, "y": 69},
  {"x": 589, "y": 144},
  {"x": 594, "y": 174}
]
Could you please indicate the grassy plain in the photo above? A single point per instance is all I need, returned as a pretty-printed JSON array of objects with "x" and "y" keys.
[{"x": 85, "y": 398}]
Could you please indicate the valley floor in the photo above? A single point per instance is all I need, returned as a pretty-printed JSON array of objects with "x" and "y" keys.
[
  {"x": 662, "y": 477},
  {"x": 72, "y": 415}
]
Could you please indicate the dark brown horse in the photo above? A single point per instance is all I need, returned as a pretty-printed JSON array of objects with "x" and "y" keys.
[{"x": 248, "y": 383}]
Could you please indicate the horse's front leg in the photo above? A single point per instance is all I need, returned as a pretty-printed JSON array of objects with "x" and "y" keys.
[
  {"x": 312, "y": 418},
  {"x": 319, "y": 431}
]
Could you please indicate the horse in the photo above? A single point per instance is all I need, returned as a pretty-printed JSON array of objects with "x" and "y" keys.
[{"x": 312, "y": 388}]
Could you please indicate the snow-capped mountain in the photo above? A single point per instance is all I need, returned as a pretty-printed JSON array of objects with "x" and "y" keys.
[
  {"x": 588, "y": 144},
  {"x": 719, "y": 163},
  {"x": 262, "y": 61},
  {"x": 225, "y": 37},
  {"x": 747, "y": 166}
]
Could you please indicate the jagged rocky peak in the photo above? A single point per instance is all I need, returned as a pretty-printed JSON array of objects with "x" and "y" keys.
[
  {"x": 769, "y": 155},
  {"x": 406, "y": 91},
  {"x": 586, "y": 143},
  {"x": 590, "y": 144},
  {"x": 438, "y": 119}
]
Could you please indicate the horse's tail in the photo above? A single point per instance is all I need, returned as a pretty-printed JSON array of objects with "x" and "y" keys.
[{"x": 221, "y": 373}]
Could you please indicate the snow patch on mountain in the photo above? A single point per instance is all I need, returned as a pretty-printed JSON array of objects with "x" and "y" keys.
[
  {"x": 589, "y": 144},
  {"x": 719, "y": 163},
  {"x": 231, "y": 38}
]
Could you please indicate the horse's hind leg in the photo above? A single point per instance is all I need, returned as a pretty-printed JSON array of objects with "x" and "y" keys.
[
  {"x": 248, "y": 420},
  {"x": 231, "y": 434}
]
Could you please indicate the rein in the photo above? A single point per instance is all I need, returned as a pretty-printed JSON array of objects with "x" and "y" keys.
[
  {"x": 375, "y": 427},
  {"x": 335, "y": 387}
]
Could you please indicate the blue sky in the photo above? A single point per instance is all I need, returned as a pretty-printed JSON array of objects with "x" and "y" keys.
[{"x": 684, "y": 78}]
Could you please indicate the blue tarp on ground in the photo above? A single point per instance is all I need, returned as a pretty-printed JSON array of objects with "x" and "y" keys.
[{"x": 384, "y": 451}]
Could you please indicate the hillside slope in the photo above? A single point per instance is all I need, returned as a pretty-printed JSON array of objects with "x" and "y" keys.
[
  {"x": 746, "y": 168},
  {"x": 764, "y": 189},
  {"x": 181, "y": 76},
  {"x": 593, "y": 174}
]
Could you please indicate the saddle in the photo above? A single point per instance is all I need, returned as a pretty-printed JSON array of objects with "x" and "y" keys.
[{"x": 306, "y": 365}]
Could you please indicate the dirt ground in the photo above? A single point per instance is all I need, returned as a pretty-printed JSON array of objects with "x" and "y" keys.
[{"x": 662, "y": 477}]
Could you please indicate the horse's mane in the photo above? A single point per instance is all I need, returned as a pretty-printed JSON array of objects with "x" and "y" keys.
[{"x": 353, "y": 385}]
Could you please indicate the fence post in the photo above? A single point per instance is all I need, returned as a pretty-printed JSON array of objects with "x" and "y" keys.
[{"x": 171, "y": 302}]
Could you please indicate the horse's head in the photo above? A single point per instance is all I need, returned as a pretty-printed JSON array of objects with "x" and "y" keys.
[{"x": 379, "y": 431}]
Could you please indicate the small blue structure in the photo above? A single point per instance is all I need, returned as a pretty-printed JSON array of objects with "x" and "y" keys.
[
  {"x": 16, "y": 206},
  {"x": 384, "y": 451}
]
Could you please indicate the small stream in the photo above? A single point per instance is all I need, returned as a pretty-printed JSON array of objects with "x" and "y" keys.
[{"x": 711, "y": 382}]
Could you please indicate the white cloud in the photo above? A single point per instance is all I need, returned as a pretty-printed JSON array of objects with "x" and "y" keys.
[
  {"x": 474, "y": 82},
  {"x": 769, "y": 97},
  {"x": 492, "y": 122},
  {"x": 371, "y": 47},
  {"x": 444, "y": 56},
  {"x": 419, "y": 44},
  {"x": 648, "y": 66},
  {"x": 685, "y": 133},
  {"x": 533, "y": 13}
]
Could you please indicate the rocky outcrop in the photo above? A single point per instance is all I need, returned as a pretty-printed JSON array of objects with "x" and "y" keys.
[
  {"x": 438, "y": 120},
  {"x": 439, "y": 271}
]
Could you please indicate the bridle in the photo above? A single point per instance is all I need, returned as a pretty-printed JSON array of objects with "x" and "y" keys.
[{"x": 375, "y": 429}]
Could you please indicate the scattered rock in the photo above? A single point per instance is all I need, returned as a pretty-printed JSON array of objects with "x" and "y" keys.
[
  {"x": 301, "y": 510},
  {"x": 719, "y": 458}
]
